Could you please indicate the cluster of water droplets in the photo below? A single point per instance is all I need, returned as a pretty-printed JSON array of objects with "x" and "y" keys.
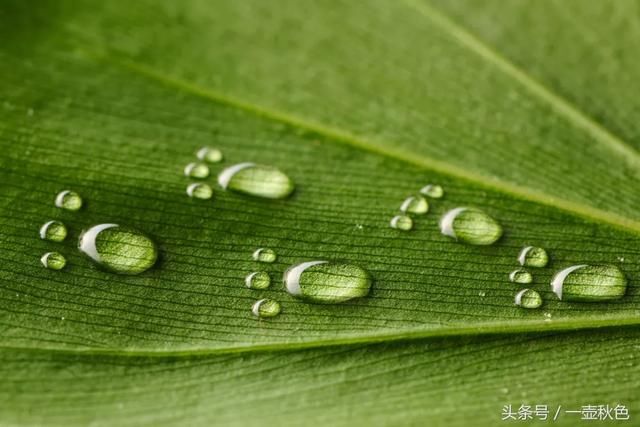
[
  {"x": 416, "y": 204},
  {"x": 529, "y": 257}
]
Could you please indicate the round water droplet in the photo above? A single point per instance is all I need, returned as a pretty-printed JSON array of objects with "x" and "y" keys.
[
  {"x": 53, "y": 260},
  {"x": 415, "y": 205},
  {"x": 69, "y": 200},
  {"x": 258, "y": 280},
  {"x": 264, "y": 255},
  {"x": 401, "y": 222},
  {"x": 119, "y": 249},
  {"x": 199, "y": 191},
  {"x": 589, "y": 283},
  {"x": 266, "y": 308},
  {"x": 196, "y": 170},
  {"x": 327, "y": 282},
  {"x": 256, "y": 180},
  {"x": 209, "y": 154},
  {"x": 432, "y": 190},
  {"x": 54, "y": 231},
  {"x": 520, "y": 276},
  {"x": 532, "y": 256},
  {"x": 470, "y": 225},
  {"x": 528, "y": 298}
]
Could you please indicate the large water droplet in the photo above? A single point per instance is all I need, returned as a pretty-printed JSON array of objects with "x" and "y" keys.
[
  {"x": 256, "y": 180},
  {"x": 415, "y": 205},
  {"x": 258, "y": 280},
  {"x": 532, "y": 256},
  {"x": 119, "y": 249},
  {"x": 401, "y": 222},
  {"x": 589, "y": 283},
  {"x": 520, "y": 276},
  {"x": 432, "y": 190},
  {"x": 264, "y": 255},
  {"x": 53, "y": 260},
  {"x": 54, "y": 231},
  {"x": 199, "y": 191},
  {"x": 266, "y": 308},
  {"x": 69, "y": 200},
  {"x": 528, "y": 298},
  {"x": 209, "y": 154},
  {"x": 327, "y": 282},
  {"x": 196, "y": 170},
  {"x": 470, "y": 225}
]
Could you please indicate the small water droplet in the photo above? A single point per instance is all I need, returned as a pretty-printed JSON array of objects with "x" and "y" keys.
[
  {"x": 196, "y": 170},
  {"x": 264, "y": 255},
  {"x": 209, "y": 154},
  {"x": 520, "y": 276},
  {"x": 119, "y": 249},
  {"x": 266, "y": 308},
  {"x": 69, "y": 200},
  {"x": 327, "y": 282},
  {"x": 621, "y": 259},
  {"x": 199, "y": 190},
  {"x": 401, "y": 222},
  {"x": 53, "y": 260},
  {"x": 415, "y": 205},
  {"x": 54, "y": 231},
  {"x": 482, "y": 294},
  {"x": 470, "y": 225},
  {"x": 528, "y": 298},
  {"x": 589, "y": 283},
  {"x": 432, "y": 190},
  {"x": 258, "y": 280},
  {"x": 532, "y": 256},
  {"x": 256, "y": 180}
]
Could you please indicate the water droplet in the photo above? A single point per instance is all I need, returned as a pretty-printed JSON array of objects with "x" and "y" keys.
[
  {"x": 54, "y": 231},
  {"x": 415, "y": 205},
  {"x": 256, "y": 180},
  {"x": 266, "y": 308},
  {"x": 53, "y": 260},
  {"x": 327, "y": 282},
  {"x": 432, "y": 190},
  {"x": 264, "y": 255},
  {"x": 532, "y": 256},
  {"x": 482, "y": 294},
  {"x": 470, "y": 225},
  {"x": 199, "y": 191},
  {"x": 258, "y": 280},
  {"x": 520, "y": 276},
  {"x": 196, "y": 170},
  {"x": 589, "y": 283},
  {"x": 209, "y": 154},
  {"x": 401, "y": 222},
  {"x": 528, "y": 298},
  {"x": 69, "y": 200},
  {"x": 119, "y": 249}
]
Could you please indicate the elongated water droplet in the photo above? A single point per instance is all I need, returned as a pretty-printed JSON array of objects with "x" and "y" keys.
[
  {"x": 528, "y": 298},
  {"x": 258, "y": 280},
  {"x": 266, "y": 308},
  {"x": 119, "y": 249},
  {"x": 264, "y": 255},
  {"x": 53, "y": 260},
  {"x": 69, "y": 200},
  {"x": 470, "y": 225},
  {"x": 432, "y": 190},
  {"x": 532, "y": 256},
  {"x": 196, "y": 170},
  {"x": 589, "y": 283},
  {"x": 209, "y": 154},
  {"x": 401, "y": 222},
  {"x": 256, "y": 180},
  {"x": 415, "y": 205},
  {"x": 199, "y": 190},
  {"x": 327, "y": 282},
  {"x": 54, "y": 231},
  {"x": 520, "y": 276}
]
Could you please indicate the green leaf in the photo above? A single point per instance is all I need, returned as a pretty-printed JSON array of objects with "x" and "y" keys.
[{"x": 361, "y": 105}]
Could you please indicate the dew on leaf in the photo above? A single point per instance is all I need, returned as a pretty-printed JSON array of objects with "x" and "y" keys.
[
  {"x": 69, "y": 200},
  {"x": 589, "y": 283},
  {"x": 470, "y": 225},
  {"x": 209, "y": 154},
  {"x": 532, "y": 256},
  {"x": 196, "y": 170},
  {"x": 520, "y": 275},
  {"x": 54, "y": 231},
  {"x": 401, "y": 222},
  {"x": 256, "y": 180},
  {"x": 266, "y": 308},
  {"x": 53, "y": 260},
  {"x": 433, "y": 191},
  {"x": 264, "y": 255},
  {"x": 199, "y": 190},
  {"x": 528, "y": 298},
  {"x": 415, "y": 205},
  {"x": 258, "y": 280}
]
